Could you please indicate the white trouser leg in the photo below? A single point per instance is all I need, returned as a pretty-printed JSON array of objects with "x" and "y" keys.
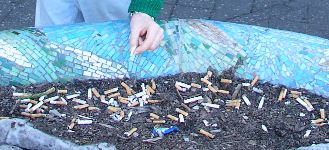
[
  {"x": 103, "y": 10},
  {"x": 57, "y": 12}
]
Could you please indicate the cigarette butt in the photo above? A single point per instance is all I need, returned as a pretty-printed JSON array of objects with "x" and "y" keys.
[
  {"x": 62, "y": 91},
  {"x": 123, "y": 100},
  {"x": 206, "y": 81},
  {"x": 159, "y": 121},
  {"x": 317, "y": 121},
  {"x": 81, "y": 106},
  {"x": 254, "y": 81},
  {"x": 180, "y": 88},
  {"x": 127, "y": 88},
  {"x": 33, "y": 102},
  {"x": 122, "y": 114},
  {"x": 207, "y": 134},
  {"x": 112, "y": 109},
  {"x": 196, "y": 85},
  {"x": 44, "y": 107},
  {"x": 322, "y": 113},
  {"x": 172, "y": 117},
  {"x": 79, "y": 101},
  {"x": 102, "y": 97},
  {"x": 226, "y": 81},
  {"x": 296, "y": 93},
  {"x": 136, "y": 103},
  {"x": 93, "y": 109},
  {"x": 111, "y": 91},
  {"x": 233, "y": 103},
  {"x": 153, "y": 101},
  {"x": 38, "y": 115},
  {"x": 58, "y": 103},
  {"x": 72, "y": 124},
  {"x": 224, "y": 91},
  {"x": 130, "y": 132},
  {"x": 89, "y": 93},
  {"x": 153, "y": 85},
  {"x": 114, "y": 95},
  {"x": 309, "y": 104},
  {"x": 212, "y": 89},
  {"x": 23, "y": 106},
  {"x": 236, "y": 91},
  {"x": 155, "y": 116},
  {"x": 149, "y": 89},
  {"x": 25, "y": 114},
  {"x": 209, "y": 74},
  {"x": 181, "y": 112},
  {"x": 96, "y": 93},
  {"x": 281, "y": 96}
]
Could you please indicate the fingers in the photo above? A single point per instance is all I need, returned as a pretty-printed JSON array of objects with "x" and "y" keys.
[
  {"x": 148, "y": 42},
  {"x": 134, "y": 36},
  {"x": 157, "y": 40}
]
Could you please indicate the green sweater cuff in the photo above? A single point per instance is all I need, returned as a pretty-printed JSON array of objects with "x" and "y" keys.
[{"x": 150, "y": 7}]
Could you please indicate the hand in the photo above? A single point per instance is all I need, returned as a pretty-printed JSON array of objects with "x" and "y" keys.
[{"x": 145, "y": 33}]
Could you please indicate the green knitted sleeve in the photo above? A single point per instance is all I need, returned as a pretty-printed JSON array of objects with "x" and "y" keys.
[{"x": 150, "y": 7}]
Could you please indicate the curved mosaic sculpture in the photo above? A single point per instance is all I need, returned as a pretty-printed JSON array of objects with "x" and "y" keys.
[{"x": 85, "y": 51}]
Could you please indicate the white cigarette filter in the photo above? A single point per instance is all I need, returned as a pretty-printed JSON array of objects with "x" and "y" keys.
[
  {"x": 184, "y": 85},
  {"x": 261, "y": 103},
  {"x": 84, "y": 121},
  {"x": 300, "y": 101},
  {"x": 210, "y": 105},
  {"x": 246, "y": 100},
  {"x": 307, "y": 134},
  {"x": 181, "y": 118},
  {"x": 72, "y": 96},
  {"x": 193, "y": 99}
]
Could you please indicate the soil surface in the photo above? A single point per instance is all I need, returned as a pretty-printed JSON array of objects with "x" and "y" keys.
[{"x": 233, "y": 128}]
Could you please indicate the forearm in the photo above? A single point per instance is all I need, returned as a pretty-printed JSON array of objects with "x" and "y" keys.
[{"x": 150, "y": 7}]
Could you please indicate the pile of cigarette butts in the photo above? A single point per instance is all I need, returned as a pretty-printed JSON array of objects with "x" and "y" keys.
[{"x": 38, "y": 105}]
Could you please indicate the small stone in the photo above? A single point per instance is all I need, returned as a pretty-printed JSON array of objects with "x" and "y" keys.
[
  {"x": 135, "y": 134},
  {"x": 245, "y": 117},
  {"x": 196, "y": 107},
  {"x": 252, "y": 142},
  {"x": 302, "y": 114},
  {"x": 186, "y": 139},
  {"x": 287, "y": 103}
]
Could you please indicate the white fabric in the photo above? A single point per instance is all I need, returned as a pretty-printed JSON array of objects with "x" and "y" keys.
[{"x": 58, "y": 12}]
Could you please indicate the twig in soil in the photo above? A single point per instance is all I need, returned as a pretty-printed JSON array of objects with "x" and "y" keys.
[
  {"x": 29, "y": 95},
  {"x": 186, "y": 107},
  {"x": 179, "y": 95},
  {"x": 152, "y": 140},
  {"x": 14, "y": 107},
  {"x": 236, "y": 91}
]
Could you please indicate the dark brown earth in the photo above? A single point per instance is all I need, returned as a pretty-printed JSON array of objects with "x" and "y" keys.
[{"x": 239, "y": 128}]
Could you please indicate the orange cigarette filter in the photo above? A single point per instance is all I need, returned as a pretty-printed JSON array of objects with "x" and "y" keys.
[
  {"x": 112, "y": 109},
  {"x": 154, "y": 86},
  {"x": 95, "y": 92},
  {"x": 62, "y": 91},
  {"x": 212, "y": 89},
  {"x": 114, "y": 95},
  {"x": 155, "y": 116},
  {"x": 153, "y": 101},
  {"x": 81, "y": 106},
  {"x": 224, "y": 91},
  {"x": 255, "y": 81},
  {"x": 127, "y": 88},
  {"x": 159, "y": 121},
  {"x": 123, "y": 100},
  {"x": 207, "y": 134},
  {"x": 149, "y": 89},
  {"x": 196, "y": 85},
  {"x": 172, "y": 117},
  {"x": 226, "y": 81},
  {"x": 206, "y": 81},
  {"x": 181, "y": 112},
  {"x": 72, "y": 124},
  {"x": 296, "y": 93},
  {"x": 122, "y": 114}
]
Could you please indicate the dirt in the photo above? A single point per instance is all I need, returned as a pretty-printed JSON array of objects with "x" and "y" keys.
[{"x": 236, "y": 128}]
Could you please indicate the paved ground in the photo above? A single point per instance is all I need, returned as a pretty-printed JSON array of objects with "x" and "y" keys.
[{"x": 305, "y": 16}]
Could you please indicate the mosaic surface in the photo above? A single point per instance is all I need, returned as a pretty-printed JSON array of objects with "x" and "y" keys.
[{"x": 85, "y": 51}]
